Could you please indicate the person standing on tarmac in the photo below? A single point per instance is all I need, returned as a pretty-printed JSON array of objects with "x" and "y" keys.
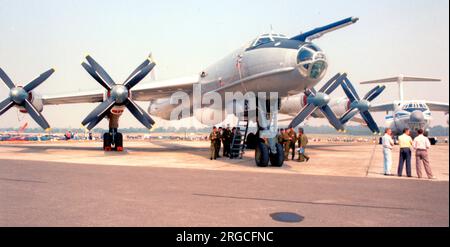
[
  {"x": 302, "y": 143},
  {"x": 219, "y": 141},
  {"x": 280, "y": 137},
  {"x": 226, "y": 141},
  {"x": 287, "y": 144},
  {"x": 292, "y": 141},
  {"x": 405, "y": 142},
  {"x": 213, "y": 136}
]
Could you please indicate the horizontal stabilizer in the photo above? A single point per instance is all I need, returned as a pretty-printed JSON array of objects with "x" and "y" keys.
[{"x": 401, "y": 79}]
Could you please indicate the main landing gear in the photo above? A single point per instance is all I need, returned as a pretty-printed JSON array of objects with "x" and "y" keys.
[
  {"x": 113, "y": 141},
  {"x": 267, "y": 148}
]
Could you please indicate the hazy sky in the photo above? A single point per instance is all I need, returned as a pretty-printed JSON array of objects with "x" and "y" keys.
[{"x": 392, "y": 37}]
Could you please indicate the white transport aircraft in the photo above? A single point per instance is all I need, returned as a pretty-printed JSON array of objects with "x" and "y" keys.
[{"x": 411, "y": 114}]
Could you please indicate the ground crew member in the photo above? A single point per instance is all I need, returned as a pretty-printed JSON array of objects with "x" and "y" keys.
[
  {"x": 219, "y": 141},
  {"x": 213, "y": 148},
  {"x": 302, "y": 143},
  {"x": 280, "y": 137},
  {"x": 287, "y": 144},
  {"x": 421, "y": 145},
  {"x": 405, "y": 142},
  {"x": 292, "y": 141},
  {"x": 226, "y": 141}
]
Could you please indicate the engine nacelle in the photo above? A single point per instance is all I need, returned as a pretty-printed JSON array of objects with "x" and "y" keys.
[
  {"x": 36, "y": 101},
  {"x": 340, "y": 106},
  {"x": 161, "y": 108},
  {"x": 294, "y": 104}
]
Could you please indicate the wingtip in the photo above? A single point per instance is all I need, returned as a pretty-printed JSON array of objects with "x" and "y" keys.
[{"x": 355, "y": 19}]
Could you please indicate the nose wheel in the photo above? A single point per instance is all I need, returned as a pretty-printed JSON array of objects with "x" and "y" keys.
[{"x": 113, "y": 141}]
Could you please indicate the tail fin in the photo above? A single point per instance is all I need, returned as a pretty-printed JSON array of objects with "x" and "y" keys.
[
  {"x": 153, "y": 72},
  {"x": 399, "y": 80}
]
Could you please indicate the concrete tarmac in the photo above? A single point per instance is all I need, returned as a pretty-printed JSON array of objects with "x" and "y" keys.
[{"x": 77, "y": 184}]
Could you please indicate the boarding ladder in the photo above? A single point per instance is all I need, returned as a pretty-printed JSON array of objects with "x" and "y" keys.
[{"x": 238, "y": 143}]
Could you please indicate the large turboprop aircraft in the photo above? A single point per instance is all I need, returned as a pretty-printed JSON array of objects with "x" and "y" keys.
[
  {"x": 270, "y": 63},
  {"x": 412, "y": 114}
]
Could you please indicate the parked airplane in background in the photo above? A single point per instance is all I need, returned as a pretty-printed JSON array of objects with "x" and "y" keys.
[
  {"x": 270, "y": 63},
  {"x": 412, "y": 114}
]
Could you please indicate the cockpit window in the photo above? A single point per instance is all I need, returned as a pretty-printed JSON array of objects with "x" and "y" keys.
[
  {"x": 412, "y": 107},
  {"x": 317, "y": 69},
  {"x": 304, "y": 55},
  {"x": 263, "y": 41},
  {"x": 312, "y": 61},
  {"x": 267, "y": 38}
]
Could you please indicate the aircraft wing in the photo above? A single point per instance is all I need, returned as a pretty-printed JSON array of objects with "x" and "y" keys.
[
  {"x": 437, "y": 106},
  {"x": 255, "y": 80},
  {"x": 144, "y": 92},
  {"x": 382, "y": 107},
  {"x": 163, "y": 89},
  {"x": 74, "y": 98}
]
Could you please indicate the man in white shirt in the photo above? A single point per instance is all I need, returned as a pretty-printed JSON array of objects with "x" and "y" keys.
[
  {"x": 388, "y": 144},
  {"x": 421, "y": 145}
]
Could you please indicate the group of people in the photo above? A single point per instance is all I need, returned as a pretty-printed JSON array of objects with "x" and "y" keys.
[
  {"x": 420, "y": 144},
  {"x": 224, "y": 137},
  {"x": 289, "y": 139}
]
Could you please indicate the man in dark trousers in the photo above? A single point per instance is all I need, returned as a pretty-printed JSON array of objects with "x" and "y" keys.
[
  {"x": 405, "y": 142},
  {"x": 219, "y": 141},
  {"x": 302, "y": 143},
  {"x": 226, "y": 141}
]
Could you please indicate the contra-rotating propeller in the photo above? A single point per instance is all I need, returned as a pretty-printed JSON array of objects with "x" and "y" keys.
[
  {"x": 118, "y": 94},
  {"x": 20, "y": 96},
  {"x": 361, "y": 106},
  {"x": 319, "y": 100}
]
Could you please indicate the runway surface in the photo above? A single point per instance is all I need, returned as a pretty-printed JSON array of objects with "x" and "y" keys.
[{"x": 200, "y": 192}]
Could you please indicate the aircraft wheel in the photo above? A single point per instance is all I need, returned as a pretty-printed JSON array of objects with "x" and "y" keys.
[
  {"x": 262, "y": 155},
  {"x": 107, "y": 142},
  {"x": 251, "y": 141},
  {"x": 119, "y": 142},
  {"x": 433, "y": 141},
  {"x": 277, "y": 159}
]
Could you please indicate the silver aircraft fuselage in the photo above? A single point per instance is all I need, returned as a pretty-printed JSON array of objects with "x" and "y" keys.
[{"x": 282, "y": 65}]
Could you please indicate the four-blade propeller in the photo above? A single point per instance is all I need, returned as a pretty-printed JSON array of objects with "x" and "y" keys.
[
  {"x": 319, "y": 100},
  {"x": 118, "y": 94},
  {"x": 361, "y": 106},
  {"x": 19, "y": 96}
]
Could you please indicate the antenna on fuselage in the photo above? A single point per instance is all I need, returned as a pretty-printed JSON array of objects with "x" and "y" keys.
[{"x": 400, "y": 81}]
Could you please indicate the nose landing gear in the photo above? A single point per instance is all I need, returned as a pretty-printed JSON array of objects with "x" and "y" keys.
[{"x": 113, "y": 141}]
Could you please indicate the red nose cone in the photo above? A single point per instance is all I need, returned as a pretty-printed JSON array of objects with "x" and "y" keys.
[{"x": 305, "y": 100}]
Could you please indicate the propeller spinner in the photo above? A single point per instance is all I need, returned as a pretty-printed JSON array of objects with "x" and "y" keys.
[
  {"x": 361, "y": 106},
  {"x": 319, "y": 100},
  {"x": 118, "y": 94},
  {"x": 19, "y": 96}
]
